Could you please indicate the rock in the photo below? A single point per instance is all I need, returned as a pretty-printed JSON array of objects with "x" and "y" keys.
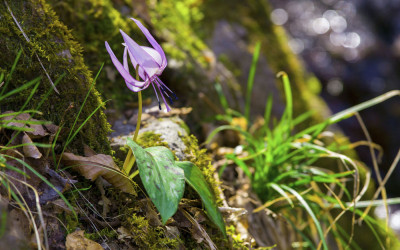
[
  {"x": 77, "y": 241},
  {"x": 170, "y": 132},
  {"x": 171, "y": 128}
]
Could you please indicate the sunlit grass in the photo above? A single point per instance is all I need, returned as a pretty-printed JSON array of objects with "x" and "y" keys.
[{"x": 291, "y": 170}]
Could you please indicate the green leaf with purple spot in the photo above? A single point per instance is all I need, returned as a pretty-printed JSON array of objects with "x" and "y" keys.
[
  {"x": 195, "y": 178},
  {"x": 163, "y": 180}
]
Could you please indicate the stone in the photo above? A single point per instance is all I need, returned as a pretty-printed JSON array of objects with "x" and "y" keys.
[{"x": 169, "y": 125}]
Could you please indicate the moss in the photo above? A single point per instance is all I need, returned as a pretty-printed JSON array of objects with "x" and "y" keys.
[
  {"x": 129, "y": 211},
  {"x": 150, "y": 139},
  {"x": 145, "y": 140},
  {"x": 101, "y": 234},
  {"x": 177, "y": 28},
  {"x": 237, "y": 242},
  {"x": 146, "y": 236},
  {"x": 181, "y": 124},
  {"x": 118, "y": 161},
  {"x": 71, "y": 222},
  {"x": 200, "y": 158},
  {"x": 59, "y": 52}
]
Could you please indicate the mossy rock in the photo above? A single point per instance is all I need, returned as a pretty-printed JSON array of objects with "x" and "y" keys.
[{"x": 52, "y": 42}]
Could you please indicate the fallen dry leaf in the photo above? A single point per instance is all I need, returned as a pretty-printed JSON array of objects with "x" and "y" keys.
[
  {"x": 99, "y": 165},
  {"x": 18, "y": 180},
  {"x": 51, "y": 128},
  {"x": 151, "y": 214},
  {"x": 172, "y": 232},
  {"x": 88, "y": 151},
  {"x": 154, "y": 111},
  {"x": 176, "y": 111},
  {"x": 124, "y": 233},
  {"x": 18, "y": 121},
  {"x": 77, "y": 241},
  {"x": 58, "y": 206},
  {"x": 198, "y": 232},
  {"x": 17, "y": 232},
  {"x": 30, "y": 150}
]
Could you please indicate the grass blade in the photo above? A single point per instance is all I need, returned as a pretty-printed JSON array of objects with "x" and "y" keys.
[
  {"x": 310, "y": 212},
  {"x": 222, "y": 98},
  {"x": 11, "y": 72},
  {"x": 250, "y": 81},
  {"x": 45, "y": 181},
  {"x": 15, "y": 91}
]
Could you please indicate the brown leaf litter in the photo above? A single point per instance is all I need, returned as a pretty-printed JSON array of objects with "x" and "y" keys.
[{"x": 99, "y": 165}]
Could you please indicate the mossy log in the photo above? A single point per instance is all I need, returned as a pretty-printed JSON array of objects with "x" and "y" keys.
[{"x": 33, "y": 27}]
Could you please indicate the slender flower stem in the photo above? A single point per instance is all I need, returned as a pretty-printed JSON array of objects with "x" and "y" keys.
[
  {"x": 139, "y": 117},
  {"x": 130, "y": 159}
]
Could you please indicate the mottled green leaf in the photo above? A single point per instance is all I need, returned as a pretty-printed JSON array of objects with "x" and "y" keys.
[
  {"x": 163, "y": 180},
  {"x": 195, "y": 178}
]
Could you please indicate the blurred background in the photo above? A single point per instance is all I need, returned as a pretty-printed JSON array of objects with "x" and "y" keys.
[{"x": 353, "y": 47}]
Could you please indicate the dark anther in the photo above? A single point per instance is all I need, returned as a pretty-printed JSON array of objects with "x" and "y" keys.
[
  {"x": 170, "y": 100},
  {"x": 159, "y": 105},
  {"x": 175, "y": 97}
]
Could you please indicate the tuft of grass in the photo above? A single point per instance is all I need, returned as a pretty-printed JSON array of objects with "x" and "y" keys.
[
  {"x": 8, "y": 152},
  {"x": 281, "y": 164},
  {"x": 72, "y": 134}
]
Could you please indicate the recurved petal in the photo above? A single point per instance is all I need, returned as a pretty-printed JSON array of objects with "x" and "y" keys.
[
  {"x": 142, "y": 74},
  {"x": 124, "y": 73},
  {"x": 125, "y": 60},
  {"x": 126, "y": 67},
  {"x": 133, "y": 88},
  {"x": 152, "y": 41},
  {"x": 149, "y": 65}
]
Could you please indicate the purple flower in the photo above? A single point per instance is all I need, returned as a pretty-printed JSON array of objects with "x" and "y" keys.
[{"x": 151, "y": 61}]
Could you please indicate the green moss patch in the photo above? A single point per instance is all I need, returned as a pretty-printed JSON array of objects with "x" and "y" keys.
[{"x": 60, "y": 53}]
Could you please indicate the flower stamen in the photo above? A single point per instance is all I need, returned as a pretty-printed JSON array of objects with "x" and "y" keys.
[
  {"x": 159, "y": 103},
  {"x": 162, "y": 95},
  {"x": 166, "y": 88}
]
